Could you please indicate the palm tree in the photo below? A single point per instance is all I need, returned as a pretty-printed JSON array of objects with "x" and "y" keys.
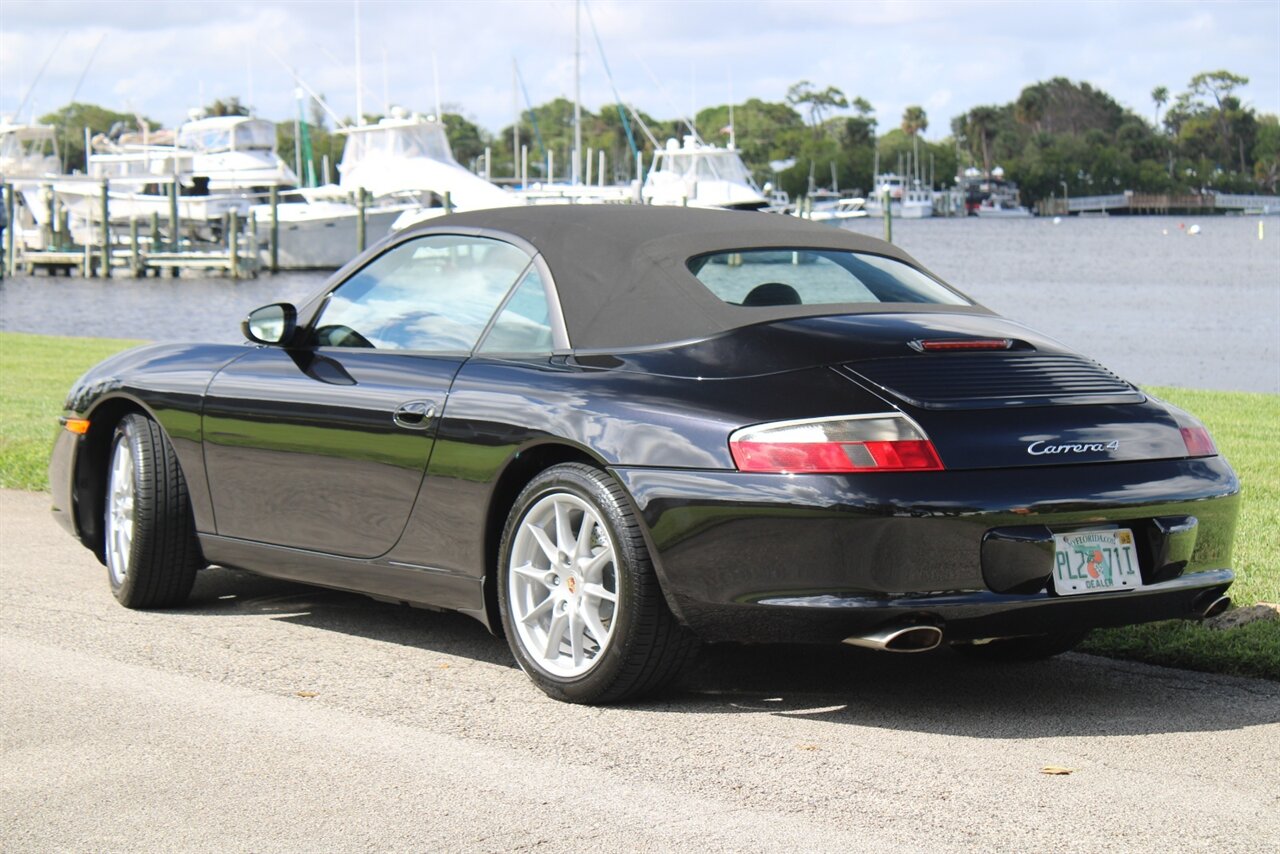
[
  {"x": 980, "y": 127},
  {"x": 914, "y": 120},
  {"x": 1160, "y": 95}
]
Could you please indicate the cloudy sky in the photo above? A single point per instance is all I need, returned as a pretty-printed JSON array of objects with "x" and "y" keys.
[{"x": 162, "y": 57}]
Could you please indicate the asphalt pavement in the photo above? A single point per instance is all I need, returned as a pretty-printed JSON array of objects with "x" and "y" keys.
[{"x": 270, "y": 716}]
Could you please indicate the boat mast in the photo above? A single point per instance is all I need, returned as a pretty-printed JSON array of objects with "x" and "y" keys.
[
  {"x": 435, "y": 76},
  {"x": 732, "y": 139},
  {"x": 515, "y": 126},
  {"x": 386, "y": 82},
  {"x": 355, "y": 8},
  {"x": 577, "y": 87}
]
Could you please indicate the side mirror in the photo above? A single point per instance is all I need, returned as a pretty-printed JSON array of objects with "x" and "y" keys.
[{"x": 271, "y": 324}]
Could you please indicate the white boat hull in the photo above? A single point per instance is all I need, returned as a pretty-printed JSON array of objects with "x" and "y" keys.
[
  {"x": 899, "y": 210},
  {"x": 1002, "y": 213},
  {"x": 320, "y": 236}
]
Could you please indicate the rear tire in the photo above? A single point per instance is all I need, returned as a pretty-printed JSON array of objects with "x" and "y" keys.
[
  {"x": 579, "y": 599},
  {"x": 150, "y": 547},
  {"x": 1030, "y": 648}
]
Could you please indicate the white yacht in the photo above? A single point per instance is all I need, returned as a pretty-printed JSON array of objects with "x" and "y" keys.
[
  {"x": 908, "y": 199},
  {"x": 405, "y": 164},
  {"x": 990, "y": 195},
  {"x": 28, "y": 151},
  {"x": 702, "y": 176},
  {"x": 411, "y": 153},
  {"x": 219, "y": 165},
  {"x": 208, "y": 154},
  {"x": 831, "y": 207},
  {"x": 1001, "y": 207}
]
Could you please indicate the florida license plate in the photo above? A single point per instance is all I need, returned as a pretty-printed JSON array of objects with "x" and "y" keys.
[{"x": 1094, "y": 562}]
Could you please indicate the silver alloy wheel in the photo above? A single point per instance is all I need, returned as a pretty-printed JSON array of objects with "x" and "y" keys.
[
  {"x": 562, "y": 583},
  {"x": 120, "y": 503}
]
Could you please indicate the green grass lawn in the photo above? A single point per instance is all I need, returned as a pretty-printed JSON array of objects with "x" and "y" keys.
[
  {"x": 36, "y": 371},
  {"x": 1243, "y": 425}
]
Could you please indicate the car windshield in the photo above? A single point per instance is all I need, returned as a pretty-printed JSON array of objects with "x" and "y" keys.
[{"x": 779, "y": 277}]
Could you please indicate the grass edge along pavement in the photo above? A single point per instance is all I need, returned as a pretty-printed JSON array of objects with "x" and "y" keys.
[{"x": 37, "y": 370}]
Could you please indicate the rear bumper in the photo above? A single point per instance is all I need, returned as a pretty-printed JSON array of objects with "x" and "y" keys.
[{"x": 754, "y": 557}]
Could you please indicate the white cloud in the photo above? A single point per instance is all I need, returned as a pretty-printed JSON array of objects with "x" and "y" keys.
[{"x": 162, "y": 57}]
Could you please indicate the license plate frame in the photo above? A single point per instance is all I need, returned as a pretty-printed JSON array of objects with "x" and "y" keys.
[{"x": 1097, "y": 561}]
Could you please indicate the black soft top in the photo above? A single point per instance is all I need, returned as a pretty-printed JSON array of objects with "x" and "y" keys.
[{"x": 622, "y": 270}]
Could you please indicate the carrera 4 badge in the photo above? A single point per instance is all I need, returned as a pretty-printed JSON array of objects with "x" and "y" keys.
[{"x": 1040, "y": 447}]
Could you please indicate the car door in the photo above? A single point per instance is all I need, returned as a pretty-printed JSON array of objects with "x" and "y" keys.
[{"x": 322, "y": 446}]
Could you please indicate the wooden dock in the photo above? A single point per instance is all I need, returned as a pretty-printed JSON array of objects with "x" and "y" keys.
[
  {"x": 145, "y": 247},
  {"x": 1130, "y": 202}
]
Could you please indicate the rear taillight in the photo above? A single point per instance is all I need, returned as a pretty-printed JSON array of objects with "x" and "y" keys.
[
  {"x": 854, "y": 443},
  {"x": 1198, "y": 441},
  {"x": 1194, "y": 435},
  {"x": 951, "y": 344}
]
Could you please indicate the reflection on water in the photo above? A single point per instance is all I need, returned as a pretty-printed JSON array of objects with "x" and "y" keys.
[{"x": 1136, "y": 293}]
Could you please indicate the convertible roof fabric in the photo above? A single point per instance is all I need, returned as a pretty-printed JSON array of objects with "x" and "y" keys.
[{"x": 622, "y": 276}]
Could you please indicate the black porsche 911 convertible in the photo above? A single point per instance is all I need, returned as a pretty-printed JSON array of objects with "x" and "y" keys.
[{"x": 609, "y": 432}]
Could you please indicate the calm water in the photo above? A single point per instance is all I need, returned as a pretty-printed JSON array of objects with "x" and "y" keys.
[{"x": 1137, "y": 293}]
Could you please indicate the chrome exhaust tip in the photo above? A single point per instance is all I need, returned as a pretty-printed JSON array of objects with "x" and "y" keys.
[
  {"x": 1216, "y": 607},
  {"x": 900, "y": 639}
]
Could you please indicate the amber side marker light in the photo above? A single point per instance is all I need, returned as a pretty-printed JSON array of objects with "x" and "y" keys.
[{"x": 79, "y": 426}]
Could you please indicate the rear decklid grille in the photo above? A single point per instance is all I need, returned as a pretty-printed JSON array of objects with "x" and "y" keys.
[{"x": 992, "y": 380}]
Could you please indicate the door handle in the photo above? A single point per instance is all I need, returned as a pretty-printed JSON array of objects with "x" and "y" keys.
[{"x": 415, "y": 415}]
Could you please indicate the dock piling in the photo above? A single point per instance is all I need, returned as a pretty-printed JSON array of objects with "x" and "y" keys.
[
  {"x": 448, "y": 202},
  {"x": 154, "y": 245},
  {"x": 233, "y": 243},
  {"x": 275, "y": 230},
  {"x": 254, "y": 248},
  {"x": 10, "y": 259},
  {"x": 888, "y": 217},
  {"x": 64, "y": 227},
  {"x": 173, "y": 215},
  {"x": 46, "y": 229},
  {"x": 106, "y": 233},
  {"x": 135, "y": 254},
  {"x": 360, "y": 232}
]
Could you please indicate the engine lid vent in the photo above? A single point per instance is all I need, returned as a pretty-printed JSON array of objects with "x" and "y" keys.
[{"x": 992, "y": 380}]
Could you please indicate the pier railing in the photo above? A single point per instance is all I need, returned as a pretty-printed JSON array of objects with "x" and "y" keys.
[{"x": 1159, "y": 203}]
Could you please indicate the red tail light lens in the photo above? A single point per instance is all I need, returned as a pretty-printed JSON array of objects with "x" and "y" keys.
[
  {"x": 885, "y": 442},
  {"x": 1198, "y": 441},
  {"x": 945, "y": 344}
]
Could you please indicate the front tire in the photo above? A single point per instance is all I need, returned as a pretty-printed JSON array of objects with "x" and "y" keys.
[
  {"x": 150, "y": 547},
  {"x": 579, "y": 599}
]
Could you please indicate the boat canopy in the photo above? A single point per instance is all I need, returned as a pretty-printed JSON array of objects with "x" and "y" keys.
[
  {"x": 706, "y": 164},
  {"x": 399, "y": 139},
  {"x": 213, "y": 135}
]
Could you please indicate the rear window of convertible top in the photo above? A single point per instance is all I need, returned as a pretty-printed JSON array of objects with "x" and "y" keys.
[{"x": 781, "y": 277}]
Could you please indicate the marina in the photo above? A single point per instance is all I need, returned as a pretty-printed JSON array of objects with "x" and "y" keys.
[{"x": 1140, "y": 294}]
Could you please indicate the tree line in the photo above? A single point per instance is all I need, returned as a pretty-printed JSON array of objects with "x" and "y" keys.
[{"x": 1058, "y": 135}]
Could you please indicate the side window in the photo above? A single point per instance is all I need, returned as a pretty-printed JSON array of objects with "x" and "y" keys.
[
  {"x": 524, "y": 326},
  {"x": 435, "y": 294}
]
